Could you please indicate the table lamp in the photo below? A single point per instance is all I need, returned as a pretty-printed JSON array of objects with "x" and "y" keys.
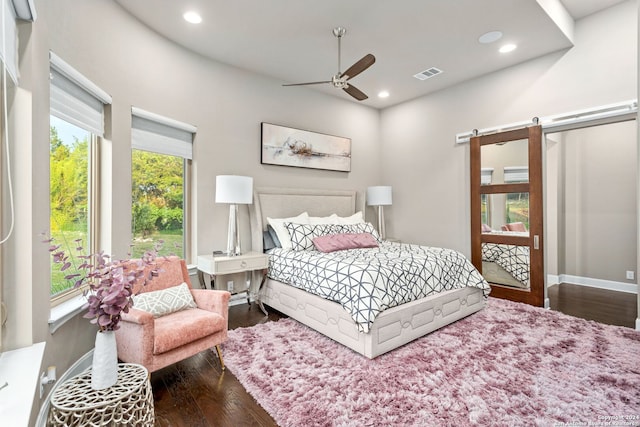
[
  {"x": 234, "y": 190},
  {"x": 379, "y": 196}
]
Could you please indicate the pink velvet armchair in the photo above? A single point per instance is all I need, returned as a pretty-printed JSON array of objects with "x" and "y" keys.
[{"x": 161, "y": 341}]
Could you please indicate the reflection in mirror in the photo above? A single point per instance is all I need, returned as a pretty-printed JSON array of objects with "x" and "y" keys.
[
  {"x": 509, "y": 162},
  {"x": 505, "y": 213},
  {"x": 506, "y": 265}
]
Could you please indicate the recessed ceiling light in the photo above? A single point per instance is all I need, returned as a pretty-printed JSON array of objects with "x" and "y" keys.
[
  {"x": 508, "y": 48},
  {"x": 490, "y": 37},
  {"x": 383, "y": 94},
  {"x": 192, "y": 17}
]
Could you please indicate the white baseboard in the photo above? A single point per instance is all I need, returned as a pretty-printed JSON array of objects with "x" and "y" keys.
[
  {"x": 611, "y": 285},
  {"x": 552, "y": 280}
]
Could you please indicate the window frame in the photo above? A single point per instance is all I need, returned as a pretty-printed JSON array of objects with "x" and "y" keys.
[{"x": 76, "y": 100}]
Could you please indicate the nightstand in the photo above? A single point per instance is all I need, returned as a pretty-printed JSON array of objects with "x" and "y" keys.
[{"x": 219, "y": 265}]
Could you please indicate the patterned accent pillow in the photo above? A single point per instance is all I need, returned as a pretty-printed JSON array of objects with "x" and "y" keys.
[
  {"x": 281, "y": 231},
  {"x": 165, "y": 301},
  {"x": 302, "y": 235},
  {"x": 364, "y": 227}
]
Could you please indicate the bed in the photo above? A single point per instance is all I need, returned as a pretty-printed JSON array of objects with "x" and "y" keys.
[
  {"x": 393, "y": 327},
  {"x": 505, "y": 264}
]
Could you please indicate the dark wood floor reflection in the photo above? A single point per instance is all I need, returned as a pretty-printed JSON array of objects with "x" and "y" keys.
[{"x": 195, "y": 392}]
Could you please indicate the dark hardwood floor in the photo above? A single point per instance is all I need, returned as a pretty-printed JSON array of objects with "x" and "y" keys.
[
  {"x": 601, "y": 305},
  {"x": 196, "y": 392}
]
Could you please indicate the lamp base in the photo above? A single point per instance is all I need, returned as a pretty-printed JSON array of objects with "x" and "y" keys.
[
  {"x": 381, "y": 229},
  {"x": 233, "y": 236}
]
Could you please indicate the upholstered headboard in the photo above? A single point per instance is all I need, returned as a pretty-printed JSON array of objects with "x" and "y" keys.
[{"x": 288, "y": 202}]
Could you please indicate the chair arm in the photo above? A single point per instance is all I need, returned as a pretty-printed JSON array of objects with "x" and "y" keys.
[
  {"x": 212, "y": 300},
  {"x": 135, "y": 337},
  {"x": 137, "y": 316}
]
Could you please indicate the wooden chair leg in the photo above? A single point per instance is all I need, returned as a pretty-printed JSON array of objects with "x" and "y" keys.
[{"x": 219, "y": 351}]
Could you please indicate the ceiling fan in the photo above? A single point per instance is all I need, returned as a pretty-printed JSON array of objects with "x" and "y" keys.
[{"x": 340, "y": 79}]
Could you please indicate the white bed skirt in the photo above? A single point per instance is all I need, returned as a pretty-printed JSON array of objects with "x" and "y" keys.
[{"x": 393, "y": 328}]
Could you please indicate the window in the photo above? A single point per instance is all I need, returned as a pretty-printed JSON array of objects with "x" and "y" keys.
[
  {"x": 76, "y": 126},
  {"x": 161, "y": 161},
  {"x": 517, "y": 204},
  {"x": 71, "y": 160},
  {"x": 486, "y": 175}
]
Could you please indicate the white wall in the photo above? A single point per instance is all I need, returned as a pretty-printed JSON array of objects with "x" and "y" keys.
[
  {"x": 595, "y": 193},
  {"x": 430, "y": 174},
  {"x": 638, "y": 163}
]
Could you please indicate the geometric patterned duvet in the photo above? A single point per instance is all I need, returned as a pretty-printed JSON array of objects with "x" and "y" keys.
[
  {"x": 367, "y": 281},
  {"x": 514, "y": 259}
]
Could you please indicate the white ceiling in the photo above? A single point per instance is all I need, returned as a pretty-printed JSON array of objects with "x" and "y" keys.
[{"x": 292, "y": 41}]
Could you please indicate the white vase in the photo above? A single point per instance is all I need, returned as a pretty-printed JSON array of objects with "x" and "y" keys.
[{"x": 104, "y": 371}]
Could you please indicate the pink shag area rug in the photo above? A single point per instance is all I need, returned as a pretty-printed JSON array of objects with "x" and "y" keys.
[{"x": 508, "y": 365}]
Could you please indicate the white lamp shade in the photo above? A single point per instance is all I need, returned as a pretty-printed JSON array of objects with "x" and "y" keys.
[
  {"x": 234, "y": 189},
  {"x": 379, "y": 195}
]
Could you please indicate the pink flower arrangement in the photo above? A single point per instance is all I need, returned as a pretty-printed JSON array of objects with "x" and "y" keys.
[{"x": 110, "y": 282}]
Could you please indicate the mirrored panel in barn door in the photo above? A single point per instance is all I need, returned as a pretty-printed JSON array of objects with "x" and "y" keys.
[{"x": 506, "y": 213}]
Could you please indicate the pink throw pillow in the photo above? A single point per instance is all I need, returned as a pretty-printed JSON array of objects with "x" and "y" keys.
[
  {"x": 338, "y": 242},
  {"x": 516, "y": 226}
]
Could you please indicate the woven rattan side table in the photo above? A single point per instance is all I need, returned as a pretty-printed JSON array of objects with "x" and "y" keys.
[{"x": 129, "y": 402}]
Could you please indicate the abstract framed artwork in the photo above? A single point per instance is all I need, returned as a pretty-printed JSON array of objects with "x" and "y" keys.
[{"x": 285, "y": 146}]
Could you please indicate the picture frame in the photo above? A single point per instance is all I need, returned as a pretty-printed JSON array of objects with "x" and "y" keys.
[{"x": 286, "y": 146}]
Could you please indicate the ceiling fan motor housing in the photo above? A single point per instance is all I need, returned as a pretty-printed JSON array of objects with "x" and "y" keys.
[{"x": 339, "y": 31}]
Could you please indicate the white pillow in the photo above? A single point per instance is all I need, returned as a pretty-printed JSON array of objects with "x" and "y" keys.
[
  {"x": 331, "y": 219},
  {"x": 356, "y": 218},
  {"x": 283, "y": 235},
  {"x": 165, "y": 301}
]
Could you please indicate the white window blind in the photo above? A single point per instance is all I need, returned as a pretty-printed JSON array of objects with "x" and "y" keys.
[
  {"x": 158, "y": 134},
  {"x": 76, "y": 99},
  {"x": 486, "y": 175},
  {"x": 9, "y": 42},
  {"x": 513, "y": 174}
]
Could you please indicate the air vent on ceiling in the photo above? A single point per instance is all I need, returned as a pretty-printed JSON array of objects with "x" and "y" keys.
[{"x": 428, "y": 73}]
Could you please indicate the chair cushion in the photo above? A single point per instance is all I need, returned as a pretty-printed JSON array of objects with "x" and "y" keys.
[
  {"x": 183, "y": 327},
  {"x": 165, "y": 301}
]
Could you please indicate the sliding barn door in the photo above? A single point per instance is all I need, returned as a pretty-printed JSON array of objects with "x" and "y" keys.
[{"x": 506, "y": 213}]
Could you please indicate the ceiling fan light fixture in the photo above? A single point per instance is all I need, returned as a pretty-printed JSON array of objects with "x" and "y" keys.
[
  {"x": 192, "y": 17},
  {"x": 383, "y": 94}
]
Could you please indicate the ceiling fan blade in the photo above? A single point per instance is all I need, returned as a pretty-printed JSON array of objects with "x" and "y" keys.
[
  {"x": 308, "y": 83},
  {"x": 355, "y": 92},
  {"x": 366, "y": 62}
]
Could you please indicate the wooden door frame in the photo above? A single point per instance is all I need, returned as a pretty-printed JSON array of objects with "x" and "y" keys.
[{"x": 533, "y": 134}]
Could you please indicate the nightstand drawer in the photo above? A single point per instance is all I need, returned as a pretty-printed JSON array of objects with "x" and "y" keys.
[{"x": 227, "y": 265}]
